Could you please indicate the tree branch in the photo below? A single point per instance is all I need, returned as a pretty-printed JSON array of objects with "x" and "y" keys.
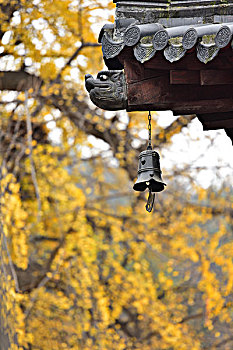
[
  {"x": 191, "y": 317},
  {"x": 219, "y": 344},
  {"x": 19, "y": 81},
  {"x": 75, "y": 54}
]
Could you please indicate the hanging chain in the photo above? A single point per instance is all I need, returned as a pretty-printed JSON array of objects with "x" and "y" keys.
[
  {"x": 149, "y": 130},
  {"x": 151, "y": 198}
]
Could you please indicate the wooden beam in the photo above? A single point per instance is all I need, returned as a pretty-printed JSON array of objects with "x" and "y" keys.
[
  {"x": 217, "y": 124},
  {"x": 229, "y": 133},
  {"x": 135, "y": 72},
  {"x": 203, "y": 106},
  {"x": 216, "y": 77},
  {"x": 159, "y": 90},
  {"x": 224, "y": 60},
  {"x": 213, "y": 121},
  {"x": 202, "y": 77},
  {"x": 190, "y": 107},
  {"x": 179, "y": 76},
  {"x": 149, "y": 91}
]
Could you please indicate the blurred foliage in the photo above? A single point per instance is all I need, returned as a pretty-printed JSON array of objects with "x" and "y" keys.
[{"x": 83, "y": 266}]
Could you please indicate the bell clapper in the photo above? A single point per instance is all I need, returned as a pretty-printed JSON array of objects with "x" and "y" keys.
[{"x": 150, "y": 201}]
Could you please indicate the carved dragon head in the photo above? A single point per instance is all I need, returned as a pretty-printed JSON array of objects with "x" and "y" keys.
[{"x": 108, "y": 90}]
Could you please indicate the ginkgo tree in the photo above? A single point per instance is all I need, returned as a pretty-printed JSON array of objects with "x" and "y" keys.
[{"x": 83, "y": 266}]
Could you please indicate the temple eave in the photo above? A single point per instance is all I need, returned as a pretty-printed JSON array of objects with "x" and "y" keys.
[{"x": 182, "y": 62}]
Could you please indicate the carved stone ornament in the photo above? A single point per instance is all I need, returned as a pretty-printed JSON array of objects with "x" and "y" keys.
[
  {"x": 174, "y": 52},
  {"x": 144, "y": 52},
  {"x": 110, "y": 47},
  {"x": 206, "y": 52},
  {"x": 223, "y": 37},
  {"x": 160, "y": 39},
  {"x": 108, "y": 90},
  {"x": 132, "y": 36},
  {"x": 189, "y": 39}
]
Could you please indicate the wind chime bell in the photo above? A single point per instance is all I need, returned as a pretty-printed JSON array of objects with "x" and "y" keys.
[{"x": 149, "y": 173}]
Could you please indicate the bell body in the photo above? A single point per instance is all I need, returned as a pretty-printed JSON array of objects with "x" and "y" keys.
[{"x": 149, "y": 173}]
